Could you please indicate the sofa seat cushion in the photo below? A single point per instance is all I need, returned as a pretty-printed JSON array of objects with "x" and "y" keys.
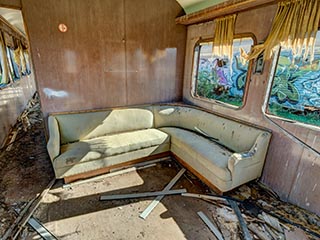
[
  {"x": 110, "y": 145},
  {"x": 204, "y": 152}
]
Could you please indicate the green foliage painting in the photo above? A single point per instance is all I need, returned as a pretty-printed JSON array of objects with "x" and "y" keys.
[
  {"x": 221, "y": 79},
  {"x": 295, "y": 92}
]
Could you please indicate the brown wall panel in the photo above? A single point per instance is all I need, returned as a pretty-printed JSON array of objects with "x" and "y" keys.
[
  {"x": 73, "y": 68},
  {"x": 155, "y": 51},
  {"x": 16, "y": 4},
  {"x": 291, "y": 169},
  {"x": 86, "y": 67},
  {"x": 13, "y": 99}
]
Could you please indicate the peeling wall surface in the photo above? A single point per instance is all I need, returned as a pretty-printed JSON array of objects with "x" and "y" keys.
[
  {"x": 113, "y": 53},
  {"x": 13, "y": 99},
  {"x": 291, "y": 169}
]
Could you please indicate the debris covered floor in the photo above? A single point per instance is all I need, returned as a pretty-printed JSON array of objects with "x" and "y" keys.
[{"x": 75, "y": 212}]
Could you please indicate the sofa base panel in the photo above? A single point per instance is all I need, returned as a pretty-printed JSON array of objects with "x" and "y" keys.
[
  {"x": 197, "y": 174},
  {"x": 100, "y": 171}
]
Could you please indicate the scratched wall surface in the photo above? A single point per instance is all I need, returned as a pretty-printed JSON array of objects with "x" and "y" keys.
[
  {"x": 13, "y": 100},
  {"x": 291, "y": 169},
  {"x": 114, "y": 52}
]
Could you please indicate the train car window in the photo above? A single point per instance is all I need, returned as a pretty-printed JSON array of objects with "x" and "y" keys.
[
  {"x": 3, "y": 78},
  {"x": 10, "y": 64},
  {"x": 27, "y": 62},
  {"x": 295, "y": 90},
  {"x": 218, "y": 78}
]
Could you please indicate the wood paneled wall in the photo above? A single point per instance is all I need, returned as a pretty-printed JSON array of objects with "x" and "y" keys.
[
  {"x": 114, "y": 53},
  {"x": 13, "y": 100},
  {"x": 291, "y": 169},
  {"x": 15, "y": 4}
]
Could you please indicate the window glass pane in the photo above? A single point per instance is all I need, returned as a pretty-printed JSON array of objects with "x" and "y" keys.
[
  {"x": 220, "y": 79},
  {"x": 26, "y": 58},
  {"x": 10, "y": 65},
  {"x": 15, "y": 61},
  {"x": 295, "y": 92}
]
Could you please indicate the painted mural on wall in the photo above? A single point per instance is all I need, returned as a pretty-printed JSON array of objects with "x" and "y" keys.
[
  {"x": 221, "y": 79},
  {"x": 295, "y": 92}
]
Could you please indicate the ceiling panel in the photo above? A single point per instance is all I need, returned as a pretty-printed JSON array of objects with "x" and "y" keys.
[
  {"x": 14, "y": 17},
  {"x": 191, "y": 6}
]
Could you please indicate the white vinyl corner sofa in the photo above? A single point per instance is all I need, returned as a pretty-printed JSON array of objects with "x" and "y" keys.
[{"x": 223, "y": 153}]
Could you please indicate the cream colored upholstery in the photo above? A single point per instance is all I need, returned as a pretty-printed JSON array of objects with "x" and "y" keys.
[
  {"x": 100, "y": 148},
  {"x": 234, "y": 135},
  {"x": 225, "y": 152},
  {"x": 74, "y": 127},
  {"x": 205, "y": 156},
  {"x": 241, "y": 162}
]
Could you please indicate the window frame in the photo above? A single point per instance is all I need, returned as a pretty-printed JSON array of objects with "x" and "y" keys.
[
  {"x": 194, "y": 77},
  {"x": 270, "y": 78}
]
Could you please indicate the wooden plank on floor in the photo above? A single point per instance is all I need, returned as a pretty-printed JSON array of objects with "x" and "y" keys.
[
  {"x": 243, "y": 225},
  {"x": 32, "y": 208},
  {"x": 41, "y": 230},
  {"x": 210, "y": 225},
  {"x": 141, "y": 195},
  {"x": 156, "y": 201},
  {"x": 205, "y": 197}
]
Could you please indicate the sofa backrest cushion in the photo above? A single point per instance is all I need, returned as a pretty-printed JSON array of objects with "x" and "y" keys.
[
  {"x": 76, "y": 126},
  {"x": 237, "y": 136}
]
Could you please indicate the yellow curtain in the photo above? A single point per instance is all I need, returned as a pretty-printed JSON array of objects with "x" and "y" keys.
[
  {"x": 223, "y": 36},
  {"x": 5, "y": 70},
  {"x": 294, "y": 26}
]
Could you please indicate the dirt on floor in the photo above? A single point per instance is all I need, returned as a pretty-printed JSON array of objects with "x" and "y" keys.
[
  {"x": 25, "y": 167},
  {"x": 76, "y": 213}
]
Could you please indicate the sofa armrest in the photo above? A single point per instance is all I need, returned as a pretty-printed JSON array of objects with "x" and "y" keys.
[
  {"x": 248, "y": 165},
  {"x": 53, "y": 145}
]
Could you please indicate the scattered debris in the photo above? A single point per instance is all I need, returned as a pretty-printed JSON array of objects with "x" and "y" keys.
[
  {"x": 24, "y": 216},
  {"x": 27, "y": 118},
  {"x": 271, "y": 221},
  {"x": 142, "y": 195},
  {"x": 155, "y": 202},
  {"x": 261, "y": 235},
  {"x": 9, "y": 231},
  {"x": 243, "y": 225},
  {"x": 13, "y": 138},
  {"x": 210, "y": 225},
  {"x": 227, "y": 222}
]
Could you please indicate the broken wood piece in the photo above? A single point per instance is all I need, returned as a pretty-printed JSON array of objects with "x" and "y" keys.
[
  {"x": 8, "y": 233},
  {"x": 243, "y": 225},
  {"x": 296, "y": 234},
  {"x": 115, "y": 173},
  {"x": 210, "y": 225},
  {"x": 261, "y": 235},
  {"x": 156, "y": 201},
  {"x": 272, "y": 233},
  {"x": 13, "y": 138},
  {"x": 271, "y": 221},
  {"x": 41, "y": 230},
  {"x": 141, "y": 195},
  {"x": 33, "y": 207},
  {"x": 202, "y": 196},
  {"x": 287, "y": 221}
]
